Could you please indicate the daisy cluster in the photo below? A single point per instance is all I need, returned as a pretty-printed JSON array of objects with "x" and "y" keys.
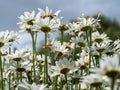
[{"x": 90, "y": 60}]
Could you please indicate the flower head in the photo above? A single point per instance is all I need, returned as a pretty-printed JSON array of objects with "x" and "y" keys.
[
  {"x": 109, "y": 66},
  {"x": 26, "y": 21},
  {"x": 45, "y": 25},
  {"x": 63, "y": 66},
  {"x": 47, "y": 13},
  {"x": 88, "y": 23}
]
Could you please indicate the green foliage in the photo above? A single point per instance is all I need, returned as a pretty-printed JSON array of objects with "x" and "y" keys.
[{"x": 110, "y": 27}]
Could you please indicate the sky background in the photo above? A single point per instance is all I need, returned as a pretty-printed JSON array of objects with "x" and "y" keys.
[{"x": 10, "y": 10}]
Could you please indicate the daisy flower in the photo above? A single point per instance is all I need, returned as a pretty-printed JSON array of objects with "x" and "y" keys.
[
  {"x": 47, "y": 13},
  {"x": 26, "y": 21},
  {"x": 72, "y": 28},
  {"x": 63, "y": 66},
  {"x": 18, "y": 55},
  {"x": 109, "y": 66},
  {"x": 45, "y": 25},
  {"x": 7, "y": 38},
  {"x": 100, "y": 48},
  {"x": 59, "y": 48},
  {"x": 100, "y": 38},
  {"x": 83, "y": 62},
  {"x": 94, "y": 80},
  {"x": 88, "y": 23},
  {"x": 22, "y": 66},
  {"x": 79, "y": 41}
]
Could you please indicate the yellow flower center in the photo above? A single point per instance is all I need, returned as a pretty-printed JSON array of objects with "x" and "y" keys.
[
  {"x": 17, "y": 59},
  {"x": 48, "y": 15},
  {"x": 112, "y": 73},
  {"x": 81, "y": 44},
  {"x": 30, "y": 22},
  {"x": 63, "y": 27},
  {"x": 64, "y": 70},
  {"x": 45, "y": 29},
  {"x": 86, "y": 28},
  {"x": 1, "y": 44},
  {"x": 20, "y": 69},
  {"x": 110, "y": 53},
  {"x": 96, "y": 84},
  {"x": 98, "y": 40}
]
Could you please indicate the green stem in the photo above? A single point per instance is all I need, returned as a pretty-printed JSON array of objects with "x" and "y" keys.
[
  {"x": 17, "y": 73},
  {"x": 71, "y": 85},
  {"x": 66, "y": 82},
  {"x": 61, "y": 85},
  {"x": 34, "y": 53},
  {"x": 1, "y": 69},
  {"x": 46, "y": 63},
  {"x": 98, "y": 61},
  {"x": 55, "y": 87},
  {"x": 90, "y": 44},
  {"x": 10, "y": 72},
  {"x": 112, "y": 83},
  {"x": 62, "y": 36},
  {"x": 21, "y": 76},
  {"x": 90, "y": 87},
  {"x": 76, "y": 86},
  {"x": 10, "y": 81},
  {"x": 74, "y": 52},
  {"x": 87, "y": 37},
  {"x": 90, "y": 33},
  {"x": 89, "y": 59}
]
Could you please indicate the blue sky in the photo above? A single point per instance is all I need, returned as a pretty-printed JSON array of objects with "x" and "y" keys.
[{"x": 10, "y": 10}]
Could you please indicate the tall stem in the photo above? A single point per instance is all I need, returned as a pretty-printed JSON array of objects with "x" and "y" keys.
[
  {"x": 21, "y": 76},
  {"x": 66, "y": 82},
  {"x": 62, "y": 36},
  {"x": 17, "y": 73},
  {"x": 55, "y": 87},
  {"x": 90, "y": 44},
  {"x": 46, "y": 63},
  {"x": 34, "y": 52},
  {"x": 10, "y": 72},
  {"x": 112, "y": 83},
  {"x": 74, "y": 52},
  {"x": 10, "y": 81},
  {"x": 1, "y": 69}
]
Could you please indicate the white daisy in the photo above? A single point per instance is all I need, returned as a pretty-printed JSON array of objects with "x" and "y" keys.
[
  {"x": 100, "y": 38},
  {"x": 45, "y": 25},
  {"x": 72, "y": 28},
  {"x": 22, "y": 66},
  {"x": 82, "y": 62},
  {"x": 63, "y": 66},
  {"x": 88, "y": 23},
  {"x": 26, "y": 21},
  {"x": 79, "y": 41},
  {"x": 93, "y": 80},
  {"x": 18, "y": 55},
  {"x": 109, "y": 66},
  {"x": 59, "y": 48},
  {"x": 7, "y": 38},
  {"x": 47, "y": 13},
  {"x": 100, "y": 48}
]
